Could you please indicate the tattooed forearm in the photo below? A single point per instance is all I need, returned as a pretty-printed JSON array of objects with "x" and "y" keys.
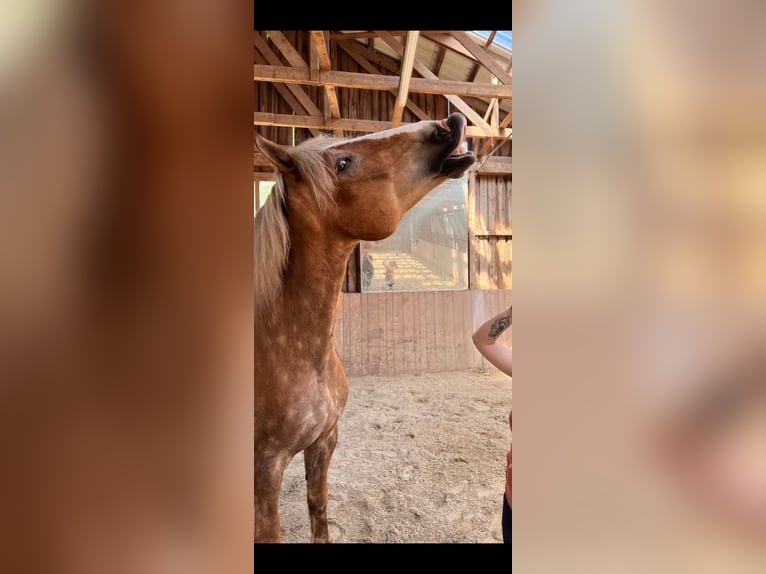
[{"x": 500, "y": 325}]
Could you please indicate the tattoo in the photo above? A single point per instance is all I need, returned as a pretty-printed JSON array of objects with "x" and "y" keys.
[{"x": 498, "y": 327}]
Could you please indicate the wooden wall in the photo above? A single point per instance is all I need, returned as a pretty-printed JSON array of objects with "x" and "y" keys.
[
  {"x": 490, "y": 231},
  {"x": 414, "y": 332}
]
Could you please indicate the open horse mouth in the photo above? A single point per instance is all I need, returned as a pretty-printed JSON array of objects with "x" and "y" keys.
[{"x": 458, "y": 159}]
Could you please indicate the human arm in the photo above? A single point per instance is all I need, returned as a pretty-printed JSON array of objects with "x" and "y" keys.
[{"x": 485, "y": 340}]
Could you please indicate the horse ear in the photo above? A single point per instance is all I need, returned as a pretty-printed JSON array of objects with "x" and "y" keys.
[{"x": 275, "y": 153}]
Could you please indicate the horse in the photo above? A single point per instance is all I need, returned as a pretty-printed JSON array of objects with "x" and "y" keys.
[{"x": 329, "y": 194}]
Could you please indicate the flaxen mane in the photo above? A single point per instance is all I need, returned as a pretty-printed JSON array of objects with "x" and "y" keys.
[{"x": 272, "y": 233}]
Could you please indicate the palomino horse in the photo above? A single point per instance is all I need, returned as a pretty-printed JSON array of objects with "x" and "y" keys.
[{"x": 329, "y": 195}]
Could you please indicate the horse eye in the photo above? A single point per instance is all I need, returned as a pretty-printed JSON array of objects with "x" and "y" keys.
[{"x": 341, "y": 165}]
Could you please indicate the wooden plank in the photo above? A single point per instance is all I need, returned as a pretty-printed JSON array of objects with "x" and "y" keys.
[
  {"x": 492, "y": 192},
  {"x": 501, "y": 215},
  {"x": 408, "y": 59},
  {"x": 481, "y": 205},
  {"x": 509, "y": 205},
  {"x": 439, "y": 335},
  {"x": 472, "y": 324},
  {"x": 376, "y": 308},
  {"x": 318, "y": 39},
  {"x": 505, "y": 264},
  {"x": 320, "y": 45},
  {"x": 427, "y": 85},
  {"x": 469, "y": 352},
  {"x": 479, "y": 263},
  {"x": 509, "y": 271},
  {"x": 419, "y": 347},
  {"x": 449, "y": 330},
  {"x": 497, "y": 165},
  {"x": 507, "y": 120},
  {"x": 457, "y": 327},
  {"x": 484, "y": 57},
  {"x": 365, "y": 356},
  {"x": 397, "y": 324},
  {"x": 388, "y": 335},
  {"x": 488, "y": 267},
  {"x": 430, "y": 332},
  {"x": 357, "y": 35},
  {"x": 351, "y": 331},
  {"x": 375, "y": 96},
  {"x": 286, "y": 49},
  {"x": 408, "y": 332},
  {"x": 471, "y": 209},
  {"x": 286, "y": 120},
  {"x": 437, "y": 66}
]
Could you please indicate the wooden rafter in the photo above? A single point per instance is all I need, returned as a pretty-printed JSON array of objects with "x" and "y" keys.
[
  {"x": 484, "y": 57},
  {"x": 507, "y": 120},
  {"x": 451, "y": 96},
  {"x": 476, "y": 67},
  {"x": 439, "y": 60},
  {"x": 494, "y": 107},
  {"x": 447, "y": 41},
  {"x": 430, "y": 85},
  {"x": 371, "y": 55},
  {"x": 300, "y": 96},
  {"x": 283, "y": 90},
  {"x": 287, "y": 120},
  {"x": 323, "y": 60},
  {"x": 286, "y": 49},
  {"x": 358, "y": 54},
  {"x": 359, "y": 35},
  {"x": 497, "y": 165},
  {"x": 408, "y": 59}
]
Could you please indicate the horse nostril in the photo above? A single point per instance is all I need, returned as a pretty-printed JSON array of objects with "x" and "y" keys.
[{"x": 443, "y": 131}]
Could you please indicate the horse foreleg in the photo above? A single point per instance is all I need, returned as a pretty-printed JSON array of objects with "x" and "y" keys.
[
  {"x": 268, "y": 483},
  {"x": 317, "y": 458}
]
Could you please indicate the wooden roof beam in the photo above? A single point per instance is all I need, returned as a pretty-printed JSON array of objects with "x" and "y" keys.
[
  {"x": 358, "y": 35},
  {"x": 439, "y": 60},
  {"x": 305, "y": 101},
  {"x": 467, "y": 110},
  {"x": 430, "y": 85},
  {"x": 288, "y": 120},
  {"x": 286, "y": 49},
  {"x": 494, "y": 108},
  {"x": 476, "y": 67},
  {"x": 286, "y": 93},
  {"x": 447, "y": 41},
  {"x": 484, "y": 57},
  {"x": 323, "y": 59},
  {"x": 408, "y": 59}
]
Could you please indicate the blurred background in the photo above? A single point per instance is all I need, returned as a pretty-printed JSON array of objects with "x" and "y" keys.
[
  {"x": 640, "y": 219},
  {"x": 125, "y": 287}
]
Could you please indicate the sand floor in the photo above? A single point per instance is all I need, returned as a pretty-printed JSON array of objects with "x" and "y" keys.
[{"x": 420, "y": 458}]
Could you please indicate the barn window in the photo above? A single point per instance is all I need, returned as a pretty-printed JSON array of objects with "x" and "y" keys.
[
  {"x": 429, "y": 250},
  {"x": 261, "y": 190}
]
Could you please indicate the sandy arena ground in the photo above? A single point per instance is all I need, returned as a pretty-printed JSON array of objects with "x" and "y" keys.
[{"x": 420, "y": 458}]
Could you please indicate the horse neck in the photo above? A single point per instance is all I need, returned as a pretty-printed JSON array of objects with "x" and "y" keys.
[{"x": 311, "y": 290}]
